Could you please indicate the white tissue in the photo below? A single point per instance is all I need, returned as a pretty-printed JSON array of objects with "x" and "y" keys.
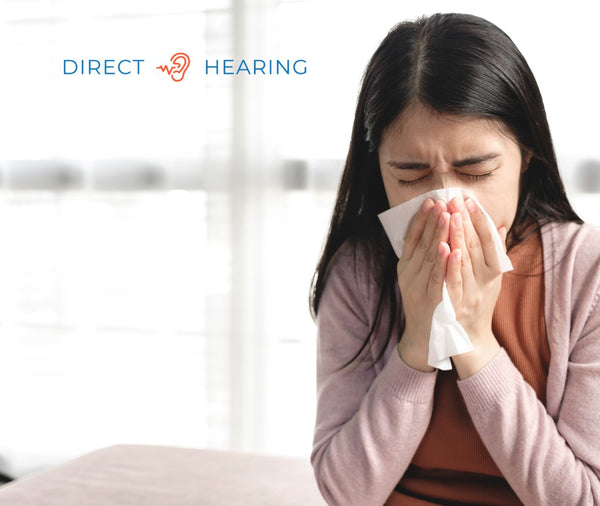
[{"x": 448, "y": 337}]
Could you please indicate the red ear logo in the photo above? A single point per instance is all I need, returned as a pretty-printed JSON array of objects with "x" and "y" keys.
[{"x": 181, "y": 62}]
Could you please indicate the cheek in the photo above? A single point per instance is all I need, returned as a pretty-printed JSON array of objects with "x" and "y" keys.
[
  {"x": 500, "y": 203},
  {"x": 400, "y": 195},
  {"x": 493, "y": 208},
  {"x": 396, "y": 194},
  {"x": 501, "y": 213}
]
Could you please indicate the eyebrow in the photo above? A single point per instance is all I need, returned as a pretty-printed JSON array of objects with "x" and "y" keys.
[{"x": 458, "y": 163}]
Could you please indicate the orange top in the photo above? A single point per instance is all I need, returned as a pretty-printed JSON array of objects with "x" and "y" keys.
[{"x": 451, "y": 464}]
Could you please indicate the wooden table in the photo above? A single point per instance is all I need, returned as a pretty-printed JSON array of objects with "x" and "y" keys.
[{"x": 136, "y": 475}]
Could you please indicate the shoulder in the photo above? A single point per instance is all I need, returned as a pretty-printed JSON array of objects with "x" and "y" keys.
[
  {"x": 352, "y": 261},
  {"x": 572, "y": 231},
  {"x": 570, "y": 240},
  {"x": 572, "y": 262}
]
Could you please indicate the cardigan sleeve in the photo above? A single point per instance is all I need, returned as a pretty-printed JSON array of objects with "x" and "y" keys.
[
  {"x": 368, "y": 425},
  {"x": 547, "y": 461}
]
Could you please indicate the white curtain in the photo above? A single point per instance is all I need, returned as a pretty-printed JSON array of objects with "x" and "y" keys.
[{"x": 158, "y": 243}]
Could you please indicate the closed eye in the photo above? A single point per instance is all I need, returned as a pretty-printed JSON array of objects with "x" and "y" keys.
[{"x": 470, "y": 177}]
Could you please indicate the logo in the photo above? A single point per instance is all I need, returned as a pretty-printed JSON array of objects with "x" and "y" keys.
[
  {"x": 106, "y": 67},
  {"x": 255, "y": 67},
  {"x": 181, "y": 62}
]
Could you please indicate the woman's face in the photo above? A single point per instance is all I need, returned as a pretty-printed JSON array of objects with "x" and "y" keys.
[{"x": 423, "y": 151}]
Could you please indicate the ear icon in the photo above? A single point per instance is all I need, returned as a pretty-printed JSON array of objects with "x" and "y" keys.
[{"x": 181, "y": 62}]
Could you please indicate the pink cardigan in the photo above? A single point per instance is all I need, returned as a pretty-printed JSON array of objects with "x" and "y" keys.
[{"x": 371, "y": 418}]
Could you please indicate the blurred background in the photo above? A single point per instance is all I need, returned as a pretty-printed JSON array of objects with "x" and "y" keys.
[{"x": 158, "y": 238}]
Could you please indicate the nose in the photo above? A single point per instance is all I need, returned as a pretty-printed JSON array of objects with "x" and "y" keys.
[{"x": 445, "y": 179}]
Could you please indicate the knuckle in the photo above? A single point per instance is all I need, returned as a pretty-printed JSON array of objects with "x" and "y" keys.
[
  {"x": 422, "y": 245},
  {"x": 437, "y": 277},
  {"x": 472, "y": 244},
  {"x": 474, "y": 300},
  {"x": 452, "y": 283},
  {"x": 486, "y": 233}
]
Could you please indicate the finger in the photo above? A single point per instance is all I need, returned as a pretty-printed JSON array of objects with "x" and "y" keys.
[
  {"x": 431, "y": 259},
  {"x": 416, "y": 229},
  {"x": 410, "y": 266},
  {"x": 457, "y": 241},
  {"x": 453, "y": 276},
  {"x": 486, "y": 240},
  {"x": 428, "y": 234},
  {"x": 472, "y": 241},
  {"x": 438, "y": 273}
]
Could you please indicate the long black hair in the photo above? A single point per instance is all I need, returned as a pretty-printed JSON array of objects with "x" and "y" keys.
[{"x": 456, "y": 64}]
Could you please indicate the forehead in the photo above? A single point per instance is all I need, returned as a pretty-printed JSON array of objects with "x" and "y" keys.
[{"x": 419, "y": 125}]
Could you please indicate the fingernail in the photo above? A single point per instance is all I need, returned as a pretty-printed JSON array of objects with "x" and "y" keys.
[
  {"x": 426, "y": 205},
  {"x": 457, "y": 217},
  {"x": 458, "y": 255},
  {"x": 471, "y": 205},
  {"x": 460, "y": 203},
  {"x": 442, "y": 220}
]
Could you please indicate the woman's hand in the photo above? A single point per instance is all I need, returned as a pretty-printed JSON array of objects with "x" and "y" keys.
[
  {"x": 473, "y": 280},
  {"x": 421, "y": 271}
]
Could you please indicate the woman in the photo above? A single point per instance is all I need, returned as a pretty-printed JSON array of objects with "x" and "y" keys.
[{"x": 449, "y": 101}]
